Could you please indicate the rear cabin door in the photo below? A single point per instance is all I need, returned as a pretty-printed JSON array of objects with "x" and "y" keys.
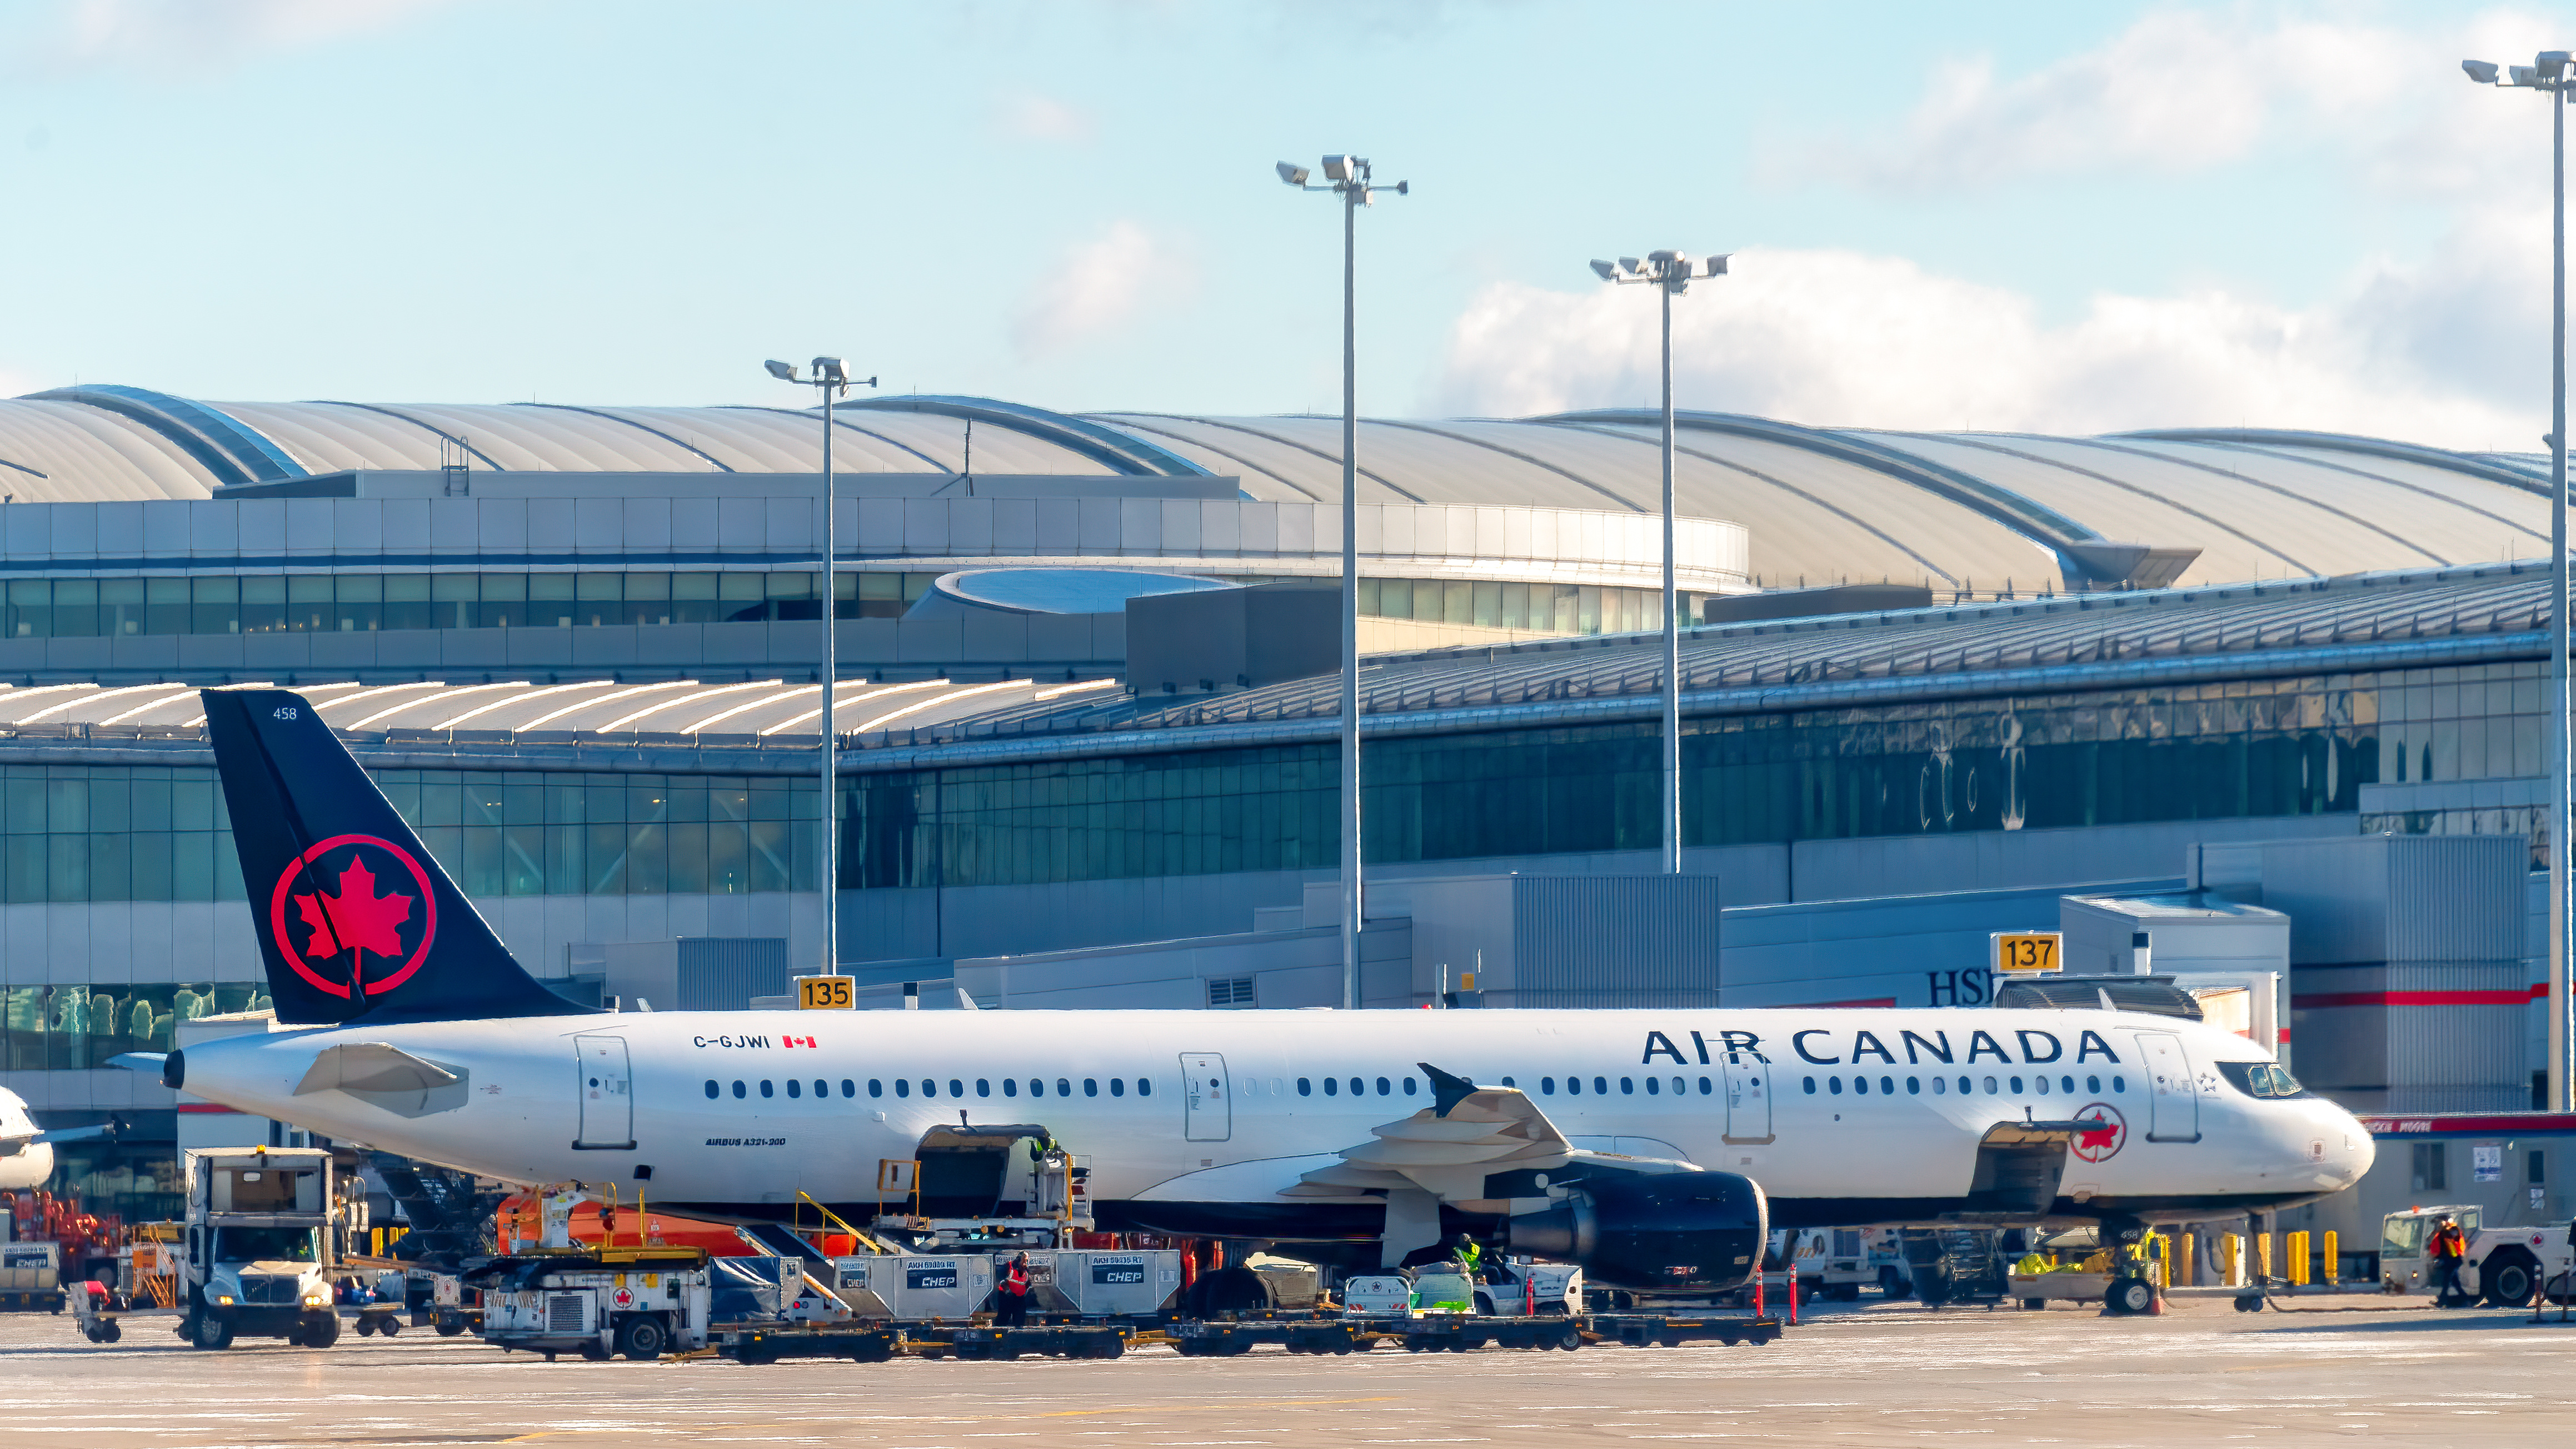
[
  {"x": 2173, "y": 1099},
  {"x": 1748, "y": 1098},
  {"x": 1210, "y": 1115},
  {"x": 607, "y": 1102}
]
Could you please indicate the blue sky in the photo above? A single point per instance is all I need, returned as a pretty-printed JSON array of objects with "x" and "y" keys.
[{"x": 2001, "y": 215}]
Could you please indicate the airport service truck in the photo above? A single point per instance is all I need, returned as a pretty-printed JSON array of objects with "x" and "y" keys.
[
  {"x": 259, "y": 1251},
  {"x": 2503, "y": 1267}
]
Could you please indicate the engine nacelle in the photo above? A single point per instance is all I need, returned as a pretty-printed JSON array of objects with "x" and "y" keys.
[{"x": 1668, "y": 1232}]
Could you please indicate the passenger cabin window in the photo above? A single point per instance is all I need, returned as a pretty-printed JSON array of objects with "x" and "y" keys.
[
  {"x": 1145, "y": 1086},
  {"x": 1547, "y": 1086},
  {"x": 1627, "y": 1087},
  {"x": 1356, "y": 1087},
  {"x": 1305, "y": 1087},
  {"x": 1574, "y": 1086},
  {"x": 795, "y": 1088},
  {"x": 1811, "y": 1086},
  {"x": 902, "y": 1088},
  {"x": 737, "y": 1089},
  {"x": 1118, "y": 1086},
  {"x": 1063, "y": 1087},
  {"x": 876, "y": 1088},
  {"x": 1706, "y": 1088},
  {"x": 1010, "y": 1086},
  {"x": 1601, "y": 1086},
  {"x": 1037, "y": 1087},
  {"x": 983, "y": 1085},
  {"x": 1654, "y": 1086},
  {"x": 1834, "y": 1085},
  {"x": 1332, "y": 1086},
  {"x": 765, "y": 1089},
  {"x": 1091, "y": 1086},
  {"x": 711, "y": 1089},
  {"x": 849, "y": 1088},
  {"x": 1408, "y": 1085},
  {"x": 2016, "y": 1085},
  {"x": 956, "y": 1088},
  {"x": 1385, "y": 1088}
]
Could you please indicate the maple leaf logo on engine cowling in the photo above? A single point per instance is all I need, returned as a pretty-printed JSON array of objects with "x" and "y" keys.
[
  {"x": 355, "y": 918},
  {"x": 354, "y": 930}
]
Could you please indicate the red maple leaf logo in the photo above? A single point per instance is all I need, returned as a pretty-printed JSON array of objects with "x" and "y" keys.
[
  {"x": 355, "y": 918},
  {"x": 2102, "y": 1136}
]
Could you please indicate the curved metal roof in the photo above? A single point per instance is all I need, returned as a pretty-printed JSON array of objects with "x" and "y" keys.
[{"x": 1951, "y": 509}]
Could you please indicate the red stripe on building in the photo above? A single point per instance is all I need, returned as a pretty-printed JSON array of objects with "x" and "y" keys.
[{"x": 2408, "y": 998}]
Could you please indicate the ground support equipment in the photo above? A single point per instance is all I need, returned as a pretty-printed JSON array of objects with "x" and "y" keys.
[
  {"x": 1052, "y": 1340},
  {"x": 1649, "y": 1330},
  {"x": 1224, "y": 1338},
  {"x": 1463, "y": 1333},
  {"x": 765, "y": 1343}
]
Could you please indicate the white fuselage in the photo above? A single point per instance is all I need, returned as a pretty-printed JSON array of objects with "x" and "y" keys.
[
  {"x": 1193, "y": 1119},
  {"x": 24, "y": 1163}
]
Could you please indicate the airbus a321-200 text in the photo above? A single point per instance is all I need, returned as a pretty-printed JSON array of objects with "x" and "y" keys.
[{"x": 1655, "y": 1148}]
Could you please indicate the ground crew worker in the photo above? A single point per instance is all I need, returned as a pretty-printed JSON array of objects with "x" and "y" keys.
[
  {"x": 1011, "y": 1294},
  {"x": 2448, "y": 1249}
]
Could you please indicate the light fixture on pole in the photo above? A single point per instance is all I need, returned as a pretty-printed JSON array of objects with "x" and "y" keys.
[
  {"x": 831, "y": 379},
  {"x": 2547, "y": 74},
  {"x": 1349, "y": 178},
  {"x": 1670, "y": 273}
]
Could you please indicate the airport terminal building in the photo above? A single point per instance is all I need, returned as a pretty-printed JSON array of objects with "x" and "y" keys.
[{"x": 2220, "y": 683}]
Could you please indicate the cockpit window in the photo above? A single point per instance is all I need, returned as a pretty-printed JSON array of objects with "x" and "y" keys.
[{"x": 2261, "y": 1079}]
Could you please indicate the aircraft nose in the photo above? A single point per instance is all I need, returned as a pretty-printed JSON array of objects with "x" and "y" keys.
[{"x": 2339, "y": 1147}]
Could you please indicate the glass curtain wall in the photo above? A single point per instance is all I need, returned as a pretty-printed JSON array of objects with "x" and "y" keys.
[{"x": 360, "y": 603}]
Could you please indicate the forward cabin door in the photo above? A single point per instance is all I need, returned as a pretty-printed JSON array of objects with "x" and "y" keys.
[
  {"x": 1748, "y": 1098},
  {"x": 2173, "y": 1099},
  {"x": 607, "y": 1101},
  {"x": 1209, "y": 1113}
]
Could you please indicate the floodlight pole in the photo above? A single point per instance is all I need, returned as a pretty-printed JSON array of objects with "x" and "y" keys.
[
  {"x": 2562, "y": 925},
  {"x": 831, "y": 379},
  {"x": 1671, "y": 273},
  {"x": 2548, "y": 74},
  {"x": 1350, "y": 176}
]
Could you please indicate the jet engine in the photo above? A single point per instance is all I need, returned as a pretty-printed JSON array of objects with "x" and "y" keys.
[{"x": 1699, "y": 1232}]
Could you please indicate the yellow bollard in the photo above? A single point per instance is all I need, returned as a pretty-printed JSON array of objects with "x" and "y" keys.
[
  {"x": 2298, "y": 1264},
  {"x": 2332, "y": 1265},
  {"x": 2263, "y": 1256},
  {"x": 2182, "y": 1259},
  {"x": 2231, "y": 1261}
]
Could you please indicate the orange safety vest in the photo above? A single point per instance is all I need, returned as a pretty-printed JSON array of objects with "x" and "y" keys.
[{"x": 2449, "y": 1243}]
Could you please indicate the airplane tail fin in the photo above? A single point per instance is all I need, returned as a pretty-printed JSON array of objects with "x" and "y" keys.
[{"x": 355, "y": 918}]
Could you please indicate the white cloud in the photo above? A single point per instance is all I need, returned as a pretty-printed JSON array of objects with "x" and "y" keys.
[
  {"x": 1099, "y": 287},
  {"x": 2447, "y": 352},
  {"x": 2179, "y": 91},
  {"x": 188, "y": 36},
  {"x": 1029, "y": 116}
]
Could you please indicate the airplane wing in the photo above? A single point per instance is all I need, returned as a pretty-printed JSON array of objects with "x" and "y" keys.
[
  {"x": 1447, "y": 1148},
  {"x": 372, "y": 1066}
]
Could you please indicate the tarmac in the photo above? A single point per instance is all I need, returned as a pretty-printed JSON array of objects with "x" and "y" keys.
[{"x": 2388, "y": 1371}]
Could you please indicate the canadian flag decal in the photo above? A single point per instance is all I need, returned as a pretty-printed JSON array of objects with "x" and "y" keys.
[{"x": 801, "y": 1041}]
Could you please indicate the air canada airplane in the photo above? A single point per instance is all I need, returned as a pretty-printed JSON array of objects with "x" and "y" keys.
[
  {"x": 1653, "y": 1147},
  {"x": 26, "y": 1154}
]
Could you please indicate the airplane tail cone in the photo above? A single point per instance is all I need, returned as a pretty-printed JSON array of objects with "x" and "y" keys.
[{"x": 355, "y": 918}]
